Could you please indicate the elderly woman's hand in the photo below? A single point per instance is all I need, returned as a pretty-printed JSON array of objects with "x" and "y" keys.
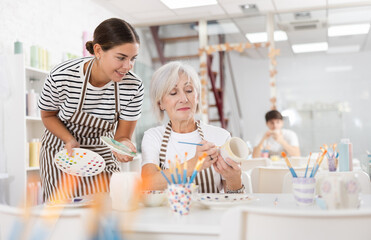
[
  {"x": 231, "y": 172},
  {"x": 212, "y": 153},
  {"x": 122, "y": 157}
]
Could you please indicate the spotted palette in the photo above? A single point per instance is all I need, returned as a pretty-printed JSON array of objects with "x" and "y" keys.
[
  {"x": 82, "y": 163},
  {"x": 221, "y": 200}
]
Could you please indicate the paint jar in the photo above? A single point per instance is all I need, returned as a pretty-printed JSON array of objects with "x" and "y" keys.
[
  {"x": 264, "y": 153},
  {"x": 32, "y": 103},
  {"x": 34, "y": 56},
  {"x": 304, "y": 190},
  {"x": 34, "y": 152},
  {"x": 18, "y": 47}
]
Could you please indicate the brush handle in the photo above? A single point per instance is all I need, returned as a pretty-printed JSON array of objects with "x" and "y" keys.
[
  {"x": 177, "y": 173},
  {"x": 193, "y": 176},
  {"x": 173, "y": 178},
  {"x": 315, "y": 171},
  {"x": 190, "y": 143},
  {"x": 167, "y": 180},
  {"x": 311, "y": 173},
  {"x": 293, "y": 173},
  {"x": 184, "y": 176},
  {"x": 306, "y": 170}
]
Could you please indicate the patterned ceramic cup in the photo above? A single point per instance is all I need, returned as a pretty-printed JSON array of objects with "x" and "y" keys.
[
  {"x": 179, "y": 197},
  {"x": 304, "y": 190}
]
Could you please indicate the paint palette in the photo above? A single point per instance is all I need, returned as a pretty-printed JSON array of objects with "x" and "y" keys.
[
  {"x": 83, "y": 163},
  {"x": 117, "y": 146},
  {"x": 219, "y": 200}
]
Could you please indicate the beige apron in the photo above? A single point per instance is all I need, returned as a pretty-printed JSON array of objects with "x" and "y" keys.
[
  {"x": 205, "y": 178},
  {"x": 87, "y": 129}
]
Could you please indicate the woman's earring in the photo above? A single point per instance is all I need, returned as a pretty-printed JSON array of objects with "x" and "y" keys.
[{"x": 98, "y": 58}]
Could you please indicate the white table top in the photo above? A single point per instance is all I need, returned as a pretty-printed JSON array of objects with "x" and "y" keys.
[
  {"x": 202, "y": 221},
  {"x": 161, "y": 219}
]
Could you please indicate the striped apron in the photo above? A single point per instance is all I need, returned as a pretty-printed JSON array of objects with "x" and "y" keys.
[
  {"x": 87, "y": 130},
  {"x": 205, "y": 178}
]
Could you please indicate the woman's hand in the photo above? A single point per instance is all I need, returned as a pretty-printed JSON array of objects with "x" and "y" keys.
[
  {"x": 231, "y": 172},
  {"x": 72, "y": 143},
  {"x": 212, "y": 153},
  {"x": 122, "y": 157}
]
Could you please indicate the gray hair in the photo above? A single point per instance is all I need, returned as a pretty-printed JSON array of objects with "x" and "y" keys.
[{"x": 164, "y": 80}]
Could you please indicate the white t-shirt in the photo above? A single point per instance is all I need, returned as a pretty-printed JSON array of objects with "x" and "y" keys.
[
  {"x": 152, "y": 140},
  {"x": 273, "y": 146}
]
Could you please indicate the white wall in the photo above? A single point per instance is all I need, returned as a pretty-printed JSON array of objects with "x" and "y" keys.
[
  {"x": 56, "y": 25},
  {"x": 53, "y": 24},
  {"x": 306, "y": 84}
]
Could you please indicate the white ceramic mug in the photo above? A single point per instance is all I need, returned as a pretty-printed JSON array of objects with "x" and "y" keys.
[
  {"x": 236, "y": 149},
  {"x": 341, "y": 190},
  {"x": 124, "y": 190}
]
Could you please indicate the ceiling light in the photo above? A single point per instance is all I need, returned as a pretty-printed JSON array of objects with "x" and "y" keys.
[
  {"x": 248, "y": 6},
  {"x": 310, "y": 47},
  {"x": 345, "y": 30},
  {"x": 263, "y": 37},
  {"x": 175, "y": 4},
  {"x": 249, "y": 9},
  {"x": 245, "y": 6}
]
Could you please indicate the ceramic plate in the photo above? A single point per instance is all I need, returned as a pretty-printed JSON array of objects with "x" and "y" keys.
[
  {"x": 222, "y": 200},
  {"x": 117, "y": 146},
  {"x": 83, "y": 163}
]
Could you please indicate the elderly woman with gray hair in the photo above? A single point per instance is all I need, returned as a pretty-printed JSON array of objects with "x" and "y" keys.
[{"x": 176, "y": 89}]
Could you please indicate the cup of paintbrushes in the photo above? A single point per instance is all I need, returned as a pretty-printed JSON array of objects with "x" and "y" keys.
[
  {"x": 180, "y": 196},
  {"x": 331, "y": 163},
  {"x": 303, "y": 190}
]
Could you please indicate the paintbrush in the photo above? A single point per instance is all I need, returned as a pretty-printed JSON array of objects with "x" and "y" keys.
[
  {"x": 191, "y": 143},
  {"x": 177, "y": 169},
  {"x": 163, "y": 174},
  {"x": 293, "y": 173},
  {"x": 314, "y": 166},
  {"x": 319, "y": 163},
  {"x": 185, "y": 168},
  {"x": 306, "y": 170},
  {"x": 171, "y": 171},
  {"x": 198, "y": 167}
]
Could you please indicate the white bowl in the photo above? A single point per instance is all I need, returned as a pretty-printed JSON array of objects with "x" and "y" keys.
[{"x": 154, "y": 198}]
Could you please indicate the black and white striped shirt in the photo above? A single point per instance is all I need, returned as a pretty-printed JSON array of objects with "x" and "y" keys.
[{"x": 63, "y": 86}]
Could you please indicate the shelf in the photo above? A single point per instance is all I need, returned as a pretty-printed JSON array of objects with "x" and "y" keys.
[
  {"x": 32, "y": 168},
  {"x": 36, "y": 74},
  {"x": 36, "y": 70},
  {"x": 29, "y": 118}
]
